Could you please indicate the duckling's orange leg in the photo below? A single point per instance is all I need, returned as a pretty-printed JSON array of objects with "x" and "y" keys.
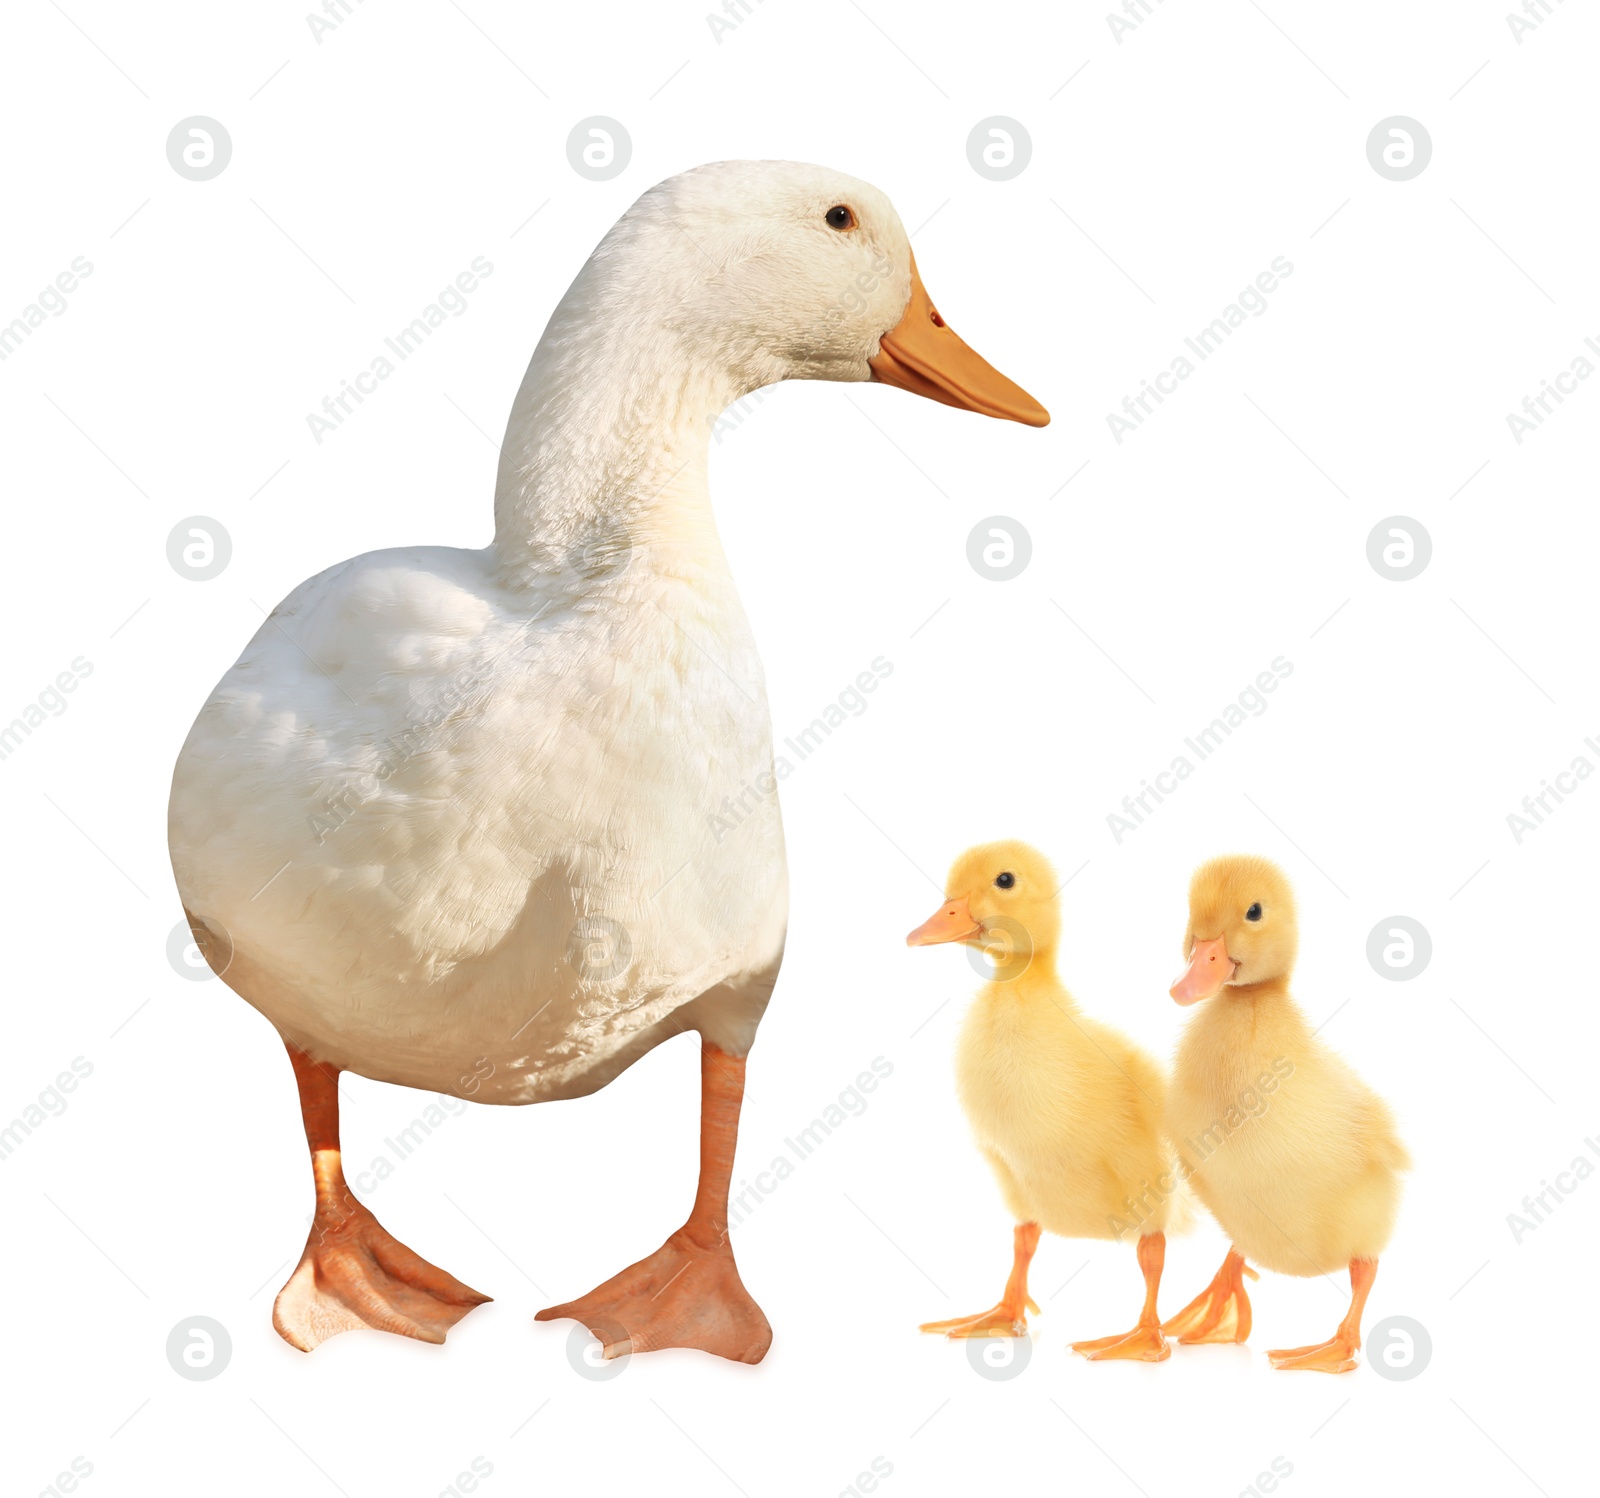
[
  {"x": 352, "y": 1273},
  {"x": 1220, "y": 1312},
  {"x": 1010, "y": 1317},
  {"x": 1339, "y": 1353},
  {"x": 1145, "y": 1341},
  {"x": 688, "y": 1292}
]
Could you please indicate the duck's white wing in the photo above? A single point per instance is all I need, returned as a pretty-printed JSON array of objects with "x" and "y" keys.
[{"x": 441, "y": 826}]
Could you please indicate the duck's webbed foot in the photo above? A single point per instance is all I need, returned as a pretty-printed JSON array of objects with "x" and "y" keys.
[
  {"x": 688, "y": 1292},
  {"x": 354, "y": 1273},
  {"x": 685, "y": 1294}
]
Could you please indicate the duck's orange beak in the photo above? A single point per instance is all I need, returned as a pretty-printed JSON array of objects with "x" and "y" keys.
[
  {"x": 921, "y": 354},
  {"x": 953, "y": 922},
  {"x": 1209, "y": 969}
]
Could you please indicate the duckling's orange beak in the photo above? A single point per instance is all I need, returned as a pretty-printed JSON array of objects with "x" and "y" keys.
[
  {"x": 923, "y": 355},
  {"x": 1208, "y": 972},
  {"x": 953, "y": 922}
]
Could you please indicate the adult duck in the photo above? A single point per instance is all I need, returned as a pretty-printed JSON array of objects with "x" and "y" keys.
[{"x": 449, "y": 820}]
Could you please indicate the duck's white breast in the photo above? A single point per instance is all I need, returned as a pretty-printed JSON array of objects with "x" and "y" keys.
[{"x": 473, "y": 839}]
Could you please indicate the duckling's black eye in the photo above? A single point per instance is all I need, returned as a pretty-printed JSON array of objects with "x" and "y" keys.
[
  {"x": 1005, "y": 881},
  {"x": 840, "y": 217},
  {"x": 1254, "y": 912}
]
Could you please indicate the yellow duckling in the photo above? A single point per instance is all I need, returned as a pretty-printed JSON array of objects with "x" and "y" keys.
[
  {"x": 1067, "y": 1111},
  {"x": 1294, "y": 1154}
]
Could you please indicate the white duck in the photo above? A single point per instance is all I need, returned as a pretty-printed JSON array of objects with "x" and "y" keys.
[{"x": 448, "y": 822}]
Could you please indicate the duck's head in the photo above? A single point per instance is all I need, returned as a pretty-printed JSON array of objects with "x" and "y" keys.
[
  {"x": 760, "y": 271},
  {"x": 1242, "y": 928},
  {"x": 998, "y": 895}
]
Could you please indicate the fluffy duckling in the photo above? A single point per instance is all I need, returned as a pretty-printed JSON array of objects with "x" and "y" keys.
[
  {"x": 1295, "y": 1156},
  {"x": 1066, "y": 1111}
]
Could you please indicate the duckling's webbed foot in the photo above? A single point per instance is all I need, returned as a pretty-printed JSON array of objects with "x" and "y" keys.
[
  {"x": 998, "y": 1321},
  {"x": 1145, "y": 1343},
  {"x": 353, "y": 1273},
  {"x": 1336, "y": 1355},
  {"x": 1008, "y": 1317},
  {"x": 688, "y": 1292},
  {"x": 1220, "y": 1312},
  {"x": 1340, "y": 1353}
]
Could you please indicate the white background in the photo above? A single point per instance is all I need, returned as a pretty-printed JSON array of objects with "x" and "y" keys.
[{"x": 367, "y": 171}]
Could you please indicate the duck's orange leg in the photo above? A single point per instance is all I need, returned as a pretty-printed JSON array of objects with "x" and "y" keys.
[
  {"x": 1010, "y": 1317},
  {"x": 1339, "y": 1353},
  {"x": 688, "y": 1292},
  {"x": 1220, "y": 1312},
  {"x": 1145, "y": 1341},
  {"x": 352, "y": 1273}
]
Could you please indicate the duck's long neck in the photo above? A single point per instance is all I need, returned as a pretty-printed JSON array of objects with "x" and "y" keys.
[{"x": 608, "y": 438}]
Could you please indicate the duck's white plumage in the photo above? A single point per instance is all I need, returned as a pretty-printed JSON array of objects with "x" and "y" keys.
[
  {"x": 453, "y": 813},
  {"x": 480, "y": 838}
]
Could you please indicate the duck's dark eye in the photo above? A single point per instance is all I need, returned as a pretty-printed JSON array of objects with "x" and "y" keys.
[
  {"x": 1254, "y": 912},
  {"x": 840, "y": 217},
  {"x": 1005, "y": 881}
]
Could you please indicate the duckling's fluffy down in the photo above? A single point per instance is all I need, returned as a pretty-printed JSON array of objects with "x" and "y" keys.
[
  {"x": 1068, "y": 1113},
  {"x": 1308, "y": 1176}
]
